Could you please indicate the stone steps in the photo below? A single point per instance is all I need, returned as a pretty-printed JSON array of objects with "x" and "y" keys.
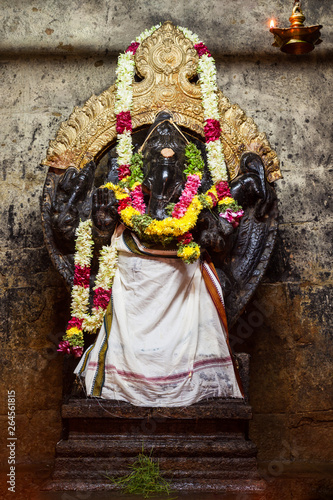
[
  {"x": 188, "y": 485},
  {"x": 163, "y": 446},
  {"x": 203, "y": 447}
]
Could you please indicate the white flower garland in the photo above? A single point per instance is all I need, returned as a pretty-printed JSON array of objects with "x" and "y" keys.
[
  {"x": 145, "y": 34},
  {"x": 190, "y": 35},
  {"x": 81, "y": 319},
  {"x": 207, "y": 76},
  {"x": 104, "y": 279}
]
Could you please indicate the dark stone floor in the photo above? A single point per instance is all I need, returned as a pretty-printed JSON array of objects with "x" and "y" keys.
[{"x": 31, "y": 479}]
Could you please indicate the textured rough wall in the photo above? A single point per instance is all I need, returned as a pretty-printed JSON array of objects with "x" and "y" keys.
[{"x": 54, "y": 55}]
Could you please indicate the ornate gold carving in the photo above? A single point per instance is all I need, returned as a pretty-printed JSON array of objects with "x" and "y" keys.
[{"x": 166, "y": 61}]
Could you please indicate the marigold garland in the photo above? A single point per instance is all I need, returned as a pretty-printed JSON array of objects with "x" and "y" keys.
[
  {"x": 130, "y": 201},
  {"x": 129, "y": 195}
]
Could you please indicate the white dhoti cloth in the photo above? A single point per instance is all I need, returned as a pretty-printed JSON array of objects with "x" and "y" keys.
[{"x": 162, "y": 342}]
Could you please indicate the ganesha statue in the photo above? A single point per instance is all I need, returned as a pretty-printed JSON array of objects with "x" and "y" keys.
[{"x": 160, "y": 213}]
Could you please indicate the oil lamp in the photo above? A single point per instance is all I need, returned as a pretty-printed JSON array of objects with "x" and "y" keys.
[{"x": 297, "y": 39}]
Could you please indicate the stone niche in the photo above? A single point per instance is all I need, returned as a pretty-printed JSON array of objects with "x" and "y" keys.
[{"x": 204, "y": 447}]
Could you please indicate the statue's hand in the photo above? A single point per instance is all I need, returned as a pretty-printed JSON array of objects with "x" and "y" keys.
[
  {"x": 213, "y": 232},
  {"x": 104, "y": 210},
  {"x": 72, "y": 202}
]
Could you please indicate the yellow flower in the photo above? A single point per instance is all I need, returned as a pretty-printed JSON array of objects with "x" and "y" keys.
[
  {"x": 127, "y": 215},
  {"x": 191, "y": 253},
  {"x": 209, "y": 201},
  {"x": 176, "y": 227},
  {"x": 73, "y": 331},
  {"x": 212, "y": 190},
  {"x": 137, "y": 183},
  {"x": 226, "y": 201},
  {"x": 119, "y": 192}
]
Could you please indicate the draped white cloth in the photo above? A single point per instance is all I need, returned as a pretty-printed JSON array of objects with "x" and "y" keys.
[{"x": 162, "y": 342}]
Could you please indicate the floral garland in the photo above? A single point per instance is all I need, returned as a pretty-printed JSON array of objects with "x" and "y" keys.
[
  {"x": 80, "y": 321},
  {"x": 131, "y": 206},
  {"x": 129, "y": 195}
]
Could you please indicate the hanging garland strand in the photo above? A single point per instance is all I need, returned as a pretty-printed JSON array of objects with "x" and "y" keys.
[
  {"x": 131, "y": 205},
  {"x": 81, "y": 320}
]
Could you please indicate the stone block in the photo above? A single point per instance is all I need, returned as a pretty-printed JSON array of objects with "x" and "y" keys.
[
  {"x": 308, "y": 251},
  {"x": 270, "y": 434},
  {"x": 313, "y": 387},
  {"x": 311, "y": 433},
  {"x": 27, "y": 315},
  {"x": 33, "y": 267},
  {"x": 315, "y": 318},
  {"x": 36, "y": 379},
  {"x": 36, "y": 435},
  {"x": 265, "y": 332},
  {"x": 43, "y": 432}
]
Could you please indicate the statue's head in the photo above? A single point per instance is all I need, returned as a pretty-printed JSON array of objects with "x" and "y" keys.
[{"x": 164, "y": 156}]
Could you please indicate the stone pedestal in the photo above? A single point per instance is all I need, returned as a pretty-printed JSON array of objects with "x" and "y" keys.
[{"x": 203, "y": 447}]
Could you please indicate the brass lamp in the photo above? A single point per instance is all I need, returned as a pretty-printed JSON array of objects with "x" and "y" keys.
[{"x": 298, "y": 39}]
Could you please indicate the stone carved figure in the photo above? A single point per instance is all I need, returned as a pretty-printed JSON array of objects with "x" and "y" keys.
[{"x": 164, "y": 339}]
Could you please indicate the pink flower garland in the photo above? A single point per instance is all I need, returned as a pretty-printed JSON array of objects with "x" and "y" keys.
[
  {"x": 212, "y": 130},
  {"x": 81, "y": 276},
  {"x": 202, "y": 49},
  {"x": 138, "y": 200},
  {"x": 124, "y": 122},
  {"x": 191, "y": 188},
  {"x": 102, "y": 297}
]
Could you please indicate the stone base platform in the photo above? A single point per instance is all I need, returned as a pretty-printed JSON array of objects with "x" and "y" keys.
[{"x": 203, "y": 447}]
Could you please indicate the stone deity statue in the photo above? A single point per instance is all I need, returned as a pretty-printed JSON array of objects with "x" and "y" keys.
[{"x": 181, "y": 267}]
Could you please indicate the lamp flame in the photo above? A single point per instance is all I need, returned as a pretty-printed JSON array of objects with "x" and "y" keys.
[{"x": 272, "y": 23}]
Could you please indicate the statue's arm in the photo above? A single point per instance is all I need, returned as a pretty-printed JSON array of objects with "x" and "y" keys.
[
  {"x": 212, "y": 231},
  {"x": 71, "y": 203},
  {"x": 104, "y": 215}
]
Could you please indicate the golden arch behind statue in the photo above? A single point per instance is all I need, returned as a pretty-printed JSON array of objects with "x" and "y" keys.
[{"x": 166, "y": 61}]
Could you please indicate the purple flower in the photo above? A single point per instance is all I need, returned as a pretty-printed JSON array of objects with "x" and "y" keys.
[
  {"x": 202, "y": 49},
  {"x": 232, "y": 217},
  {"x": 185, "y": 238},
  {"x": 123, "y": 171},
  {"x": 222, "y": 189},
  {"x": 75, "y": 322},
  {"x": 64, "y": 347},
  {"x": 133, "y": 47},
  {"x": 81, "y": 276},
  {"x": 77, "y": 351},
  {"x": 212, "y": 130},
  {"x": 124, "y": 122},
  {"x": 102, "y": 297}
]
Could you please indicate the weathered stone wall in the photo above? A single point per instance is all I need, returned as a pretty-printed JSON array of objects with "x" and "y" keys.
[{"x": 54, "y": 55}]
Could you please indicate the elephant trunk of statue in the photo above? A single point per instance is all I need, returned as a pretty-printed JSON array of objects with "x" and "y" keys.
[{"x": 163, "y": 185}]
